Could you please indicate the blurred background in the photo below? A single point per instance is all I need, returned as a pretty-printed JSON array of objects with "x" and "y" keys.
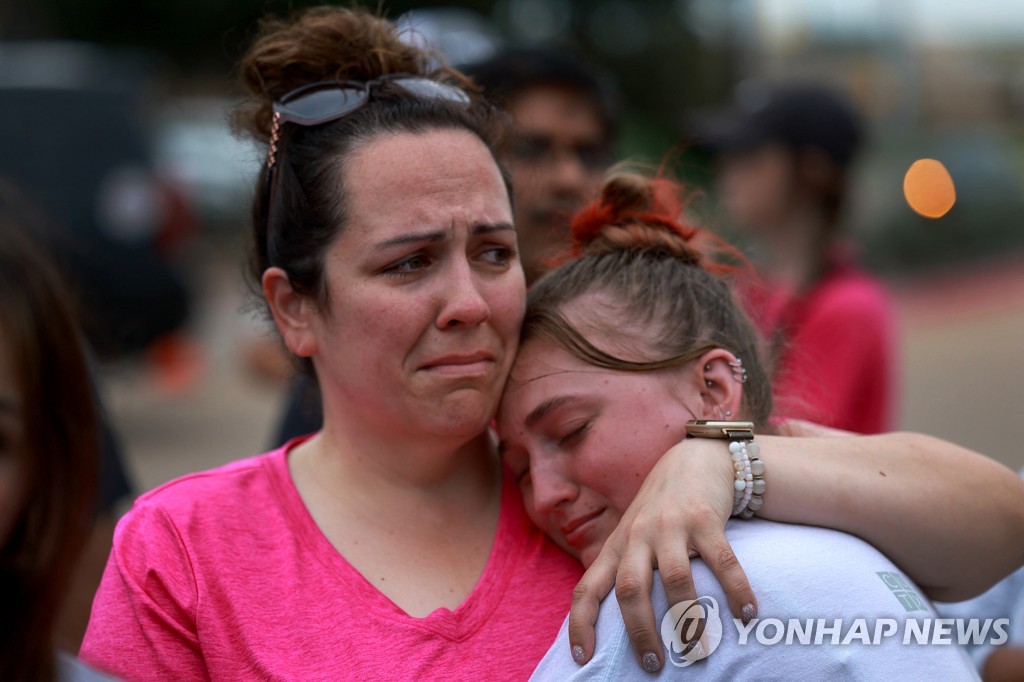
[{"x": 162, "y": 210}]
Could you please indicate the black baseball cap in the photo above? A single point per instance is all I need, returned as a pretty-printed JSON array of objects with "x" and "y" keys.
[{"x": 798, "y": 115}]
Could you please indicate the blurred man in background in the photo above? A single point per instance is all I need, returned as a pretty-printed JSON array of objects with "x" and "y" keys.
[
  {"x": 564, "y": 124},
  {"x": 564, "y": 121}
]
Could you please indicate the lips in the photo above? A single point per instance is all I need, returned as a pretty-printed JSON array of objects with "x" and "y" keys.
[
  {"x": 460, "y": 360},
  {"x": 576, "y": 530}
]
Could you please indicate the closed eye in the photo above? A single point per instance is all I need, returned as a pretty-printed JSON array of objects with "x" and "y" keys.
[{"x": 574, "y": 437}]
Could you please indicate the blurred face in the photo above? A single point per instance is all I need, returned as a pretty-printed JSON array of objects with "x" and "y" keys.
[
  {"x": 12, "y": 454},
  {"x": 426, "y": 291},
  {"x": 757, "y": 186},
  {"x": 557, "y": 156},
  {"x": 582, "y": 439}
]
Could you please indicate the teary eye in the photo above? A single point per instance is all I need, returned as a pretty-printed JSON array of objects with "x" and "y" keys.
[
  {"x": 408, "y": 266},
  {"x": 498, "y": 255}
]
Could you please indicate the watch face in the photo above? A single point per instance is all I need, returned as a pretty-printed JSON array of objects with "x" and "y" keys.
[{"x": 732, "y": 430}]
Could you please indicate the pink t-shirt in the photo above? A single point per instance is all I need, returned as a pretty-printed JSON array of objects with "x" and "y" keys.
[
  {"x": 837, "y": 364},
  {"x": 224, "y": 575}
]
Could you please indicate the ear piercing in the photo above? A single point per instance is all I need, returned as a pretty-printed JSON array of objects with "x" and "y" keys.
[
  {"x": 739, "y": 372},
  {"x": 727, "y": 414}
]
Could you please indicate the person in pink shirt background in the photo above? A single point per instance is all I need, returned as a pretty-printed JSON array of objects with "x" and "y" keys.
[{"x": 784, "y": 180}]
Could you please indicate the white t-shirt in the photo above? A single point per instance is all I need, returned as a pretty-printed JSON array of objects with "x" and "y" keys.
[
  {"x": 1003, "y": 601},
  {"x": 843, "y": 607}
]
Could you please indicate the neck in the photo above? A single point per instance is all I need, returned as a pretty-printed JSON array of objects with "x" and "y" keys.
[
  {"x": 791, "y": 251},
  {"x": 417, "y": 517},
  {"x": 402, "y": 476}
]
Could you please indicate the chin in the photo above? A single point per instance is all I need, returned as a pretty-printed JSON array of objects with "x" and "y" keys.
[
  {"x": 559, "y": 539},
  {"x": 466, "y": 414},
  {"x": 587, "y": 555}
]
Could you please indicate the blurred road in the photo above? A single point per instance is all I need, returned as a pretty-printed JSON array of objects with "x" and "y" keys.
[
  {"x": 962, "y": 361},
  {"x": 962, "y": 357},
  {"x": 221, "y": 413}
]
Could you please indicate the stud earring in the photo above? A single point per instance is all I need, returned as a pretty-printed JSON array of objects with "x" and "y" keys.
[{"x": 739, "y": 372}]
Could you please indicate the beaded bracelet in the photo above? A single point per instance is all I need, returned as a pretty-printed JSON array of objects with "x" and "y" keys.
[{"x": 749, "y": 484}]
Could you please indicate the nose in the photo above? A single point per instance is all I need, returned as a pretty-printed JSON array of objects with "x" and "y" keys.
[
  {"x": 464, "y": 300},
  {"x": 569, "y": 175},
  {"x": 551, "y": 485}
]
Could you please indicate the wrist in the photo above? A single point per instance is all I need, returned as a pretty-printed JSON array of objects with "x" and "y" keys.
[{"x": 748, "y": 469}]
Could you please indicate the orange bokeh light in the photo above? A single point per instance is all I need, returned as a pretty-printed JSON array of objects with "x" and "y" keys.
[{"x": 929, "y": 188}]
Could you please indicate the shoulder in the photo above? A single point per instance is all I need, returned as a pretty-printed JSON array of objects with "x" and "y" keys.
[
  {"x": 193, "y": 532},
  {"x": 783, "y": 556},
  {"x": 214, "y": 508},
  {"x": 211, "y": 490},
  {"x": 797, "y": 572}
]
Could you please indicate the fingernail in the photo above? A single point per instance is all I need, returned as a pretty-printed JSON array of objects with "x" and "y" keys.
[
  {"x": 748, "y": 613},
  {"x": 651, "y": 662},
  {"x": 577, "y": 653}
]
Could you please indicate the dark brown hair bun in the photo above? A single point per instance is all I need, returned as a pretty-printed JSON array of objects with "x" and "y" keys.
[{"x": 326, "y": 43}]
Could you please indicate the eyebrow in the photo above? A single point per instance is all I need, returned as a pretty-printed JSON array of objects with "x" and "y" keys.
[
  {"x": 546, "y": 408},
  {"x": 537, "y": 414},
  {"x": 440, "y": 235}
]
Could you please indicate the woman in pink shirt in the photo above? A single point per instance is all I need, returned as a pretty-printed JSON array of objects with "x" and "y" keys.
[{"x": 389, "y": 545}]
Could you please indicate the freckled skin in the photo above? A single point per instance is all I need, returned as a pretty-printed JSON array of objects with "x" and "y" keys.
[{"x": 601, "y": 471}]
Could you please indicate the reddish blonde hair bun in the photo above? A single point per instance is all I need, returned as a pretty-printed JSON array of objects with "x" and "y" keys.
[{"x": 639, "y": 212}]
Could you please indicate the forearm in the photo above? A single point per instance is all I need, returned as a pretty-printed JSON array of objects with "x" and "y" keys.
[{"x": 933, "y": 507}]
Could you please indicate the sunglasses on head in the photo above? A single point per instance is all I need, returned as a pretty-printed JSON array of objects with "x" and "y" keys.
[{"x": 326, "y": 101}]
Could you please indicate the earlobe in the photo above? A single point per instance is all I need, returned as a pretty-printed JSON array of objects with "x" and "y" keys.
[
  {"x": 292, "y": 312},
  {"x": 721, "y": 376}
]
